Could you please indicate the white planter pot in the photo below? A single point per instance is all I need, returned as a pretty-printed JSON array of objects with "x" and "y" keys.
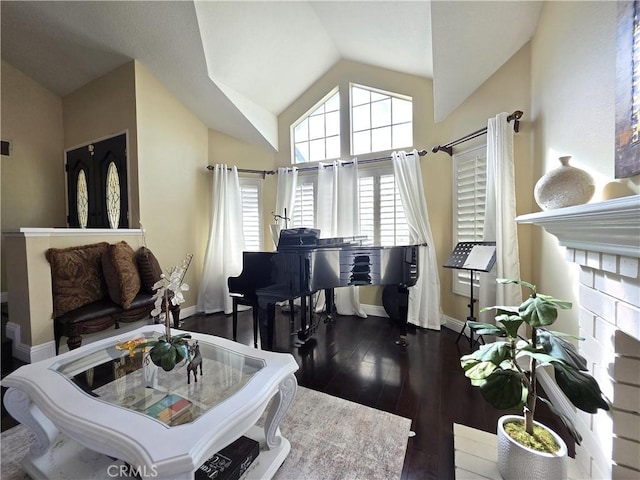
[{"x": 518, "y": 462}]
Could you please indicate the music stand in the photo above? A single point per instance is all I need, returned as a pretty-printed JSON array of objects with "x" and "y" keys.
[{"x": 474, "y": 257}]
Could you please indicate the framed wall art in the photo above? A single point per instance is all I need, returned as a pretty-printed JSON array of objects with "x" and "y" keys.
[{"x": 627, "y": 160}]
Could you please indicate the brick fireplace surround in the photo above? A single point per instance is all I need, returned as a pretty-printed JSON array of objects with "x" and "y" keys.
[{"x": 604, "y": 240}]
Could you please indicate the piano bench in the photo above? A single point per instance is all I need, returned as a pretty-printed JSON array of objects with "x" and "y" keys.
[{"x": 253, "y": 303}]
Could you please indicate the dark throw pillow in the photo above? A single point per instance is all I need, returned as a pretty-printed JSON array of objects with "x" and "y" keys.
[
  {"x": 121, "y": 273},
  {"x": 149, "y": 269},
  {"x": 76, "y": 276}
]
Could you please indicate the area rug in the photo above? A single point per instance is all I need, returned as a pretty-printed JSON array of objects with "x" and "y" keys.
[{"x": 331, "y": 438}]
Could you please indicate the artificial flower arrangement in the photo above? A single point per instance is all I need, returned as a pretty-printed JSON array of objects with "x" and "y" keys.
[{"x": 169, "y": 350}]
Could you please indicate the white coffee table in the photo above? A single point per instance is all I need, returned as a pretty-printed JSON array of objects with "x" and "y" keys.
[{"x": 95, "y": 407}]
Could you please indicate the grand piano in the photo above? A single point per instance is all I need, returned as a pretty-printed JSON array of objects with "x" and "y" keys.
[{"x": 304, "y": 264}]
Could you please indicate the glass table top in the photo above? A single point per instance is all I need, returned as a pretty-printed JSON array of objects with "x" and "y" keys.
[{"x": 131, "y": 380}]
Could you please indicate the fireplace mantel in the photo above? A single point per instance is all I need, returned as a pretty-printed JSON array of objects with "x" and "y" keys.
[{"x": 612, "y": 226}]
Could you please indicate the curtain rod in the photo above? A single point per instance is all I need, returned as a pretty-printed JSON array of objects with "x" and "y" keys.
[
  {"x": 515, "y": 116},
  {"x": 264, "y": 173}
]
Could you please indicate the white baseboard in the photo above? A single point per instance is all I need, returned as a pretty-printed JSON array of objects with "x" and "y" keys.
[{"x": 34, "y": 353}]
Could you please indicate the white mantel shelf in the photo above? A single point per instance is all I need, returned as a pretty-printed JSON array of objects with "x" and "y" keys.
[
  {"x": 71, "y": 232},
  {"x": 612, "y": 226}
]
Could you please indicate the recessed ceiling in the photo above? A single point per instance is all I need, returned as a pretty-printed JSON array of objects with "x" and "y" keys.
[{"x": 238, "y": 64}]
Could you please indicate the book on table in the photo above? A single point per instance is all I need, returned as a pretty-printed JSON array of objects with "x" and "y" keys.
[{"x": 231, "y": 462}]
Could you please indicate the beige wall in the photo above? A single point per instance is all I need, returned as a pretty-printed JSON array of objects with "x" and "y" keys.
[
  {"x": 33, "y": 191},
  {"x": 573, "y": 113},
  {"x": 172, "y": 160},
  {"x": 104, "y": 108}
]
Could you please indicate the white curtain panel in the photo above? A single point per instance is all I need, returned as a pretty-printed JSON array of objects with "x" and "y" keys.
[
  {"x": 285, "y": 198},
  {"x": 223, "y": 257},
  {"x": 424, "y": 297},
  {"x": 337, "y": 216},
  {"x": 500, "y": 218}
]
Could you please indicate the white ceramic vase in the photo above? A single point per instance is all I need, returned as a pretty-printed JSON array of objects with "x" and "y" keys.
[
  {"x": 517, "y": 462},
  {"x": 564, "y": 187}
]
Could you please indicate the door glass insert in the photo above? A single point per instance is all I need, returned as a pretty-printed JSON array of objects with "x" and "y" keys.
[
  {"x": 113, "y": 195},
  {"x": 82, "y": 199}
]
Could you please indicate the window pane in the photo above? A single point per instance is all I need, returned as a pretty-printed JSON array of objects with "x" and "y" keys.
[
  {"x": 375, "y": 96},
  {"x": 333, "y": 123},
  {"x": 316, "y": 127},
  {"x": 359, "y": 96},
  {"x": 302, "y": 152},
  {"x": 333, "y": 104},
  {"x": 381, "y": 139},
  {"x": 361, "y": 118},
  {"x": 316, "y": 150},
  {"x": 323, "y": 122},
  {"x": 333, "y": 147},
  {"x": 361, "y": 142},
  {"x": 402, "y": 110},
  {"x": 402, "y": 135},
  {"x": 301, "y": 132},
  {"x": 381, "y": 113}
]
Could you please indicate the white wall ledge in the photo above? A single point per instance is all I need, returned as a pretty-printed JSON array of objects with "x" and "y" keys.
[
  {"x": 612, "y": 226},
  {"x": 71, "y": 232}
]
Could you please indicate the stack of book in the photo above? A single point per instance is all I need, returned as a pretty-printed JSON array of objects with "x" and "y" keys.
[{"x": 231, "y": 462}]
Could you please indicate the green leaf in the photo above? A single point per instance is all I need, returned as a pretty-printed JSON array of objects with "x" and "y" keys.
[
  {"x": 541, "y": 357},
  {"x": 503, "y": 389},
  {"x": 168, "y": 361},
  {"x": 580, "y": 388},
  {"x": 158, "y": 351},
  {"x": 468, "y": 361},
  {"x": 511, "y": 323},
  {"x": 561, "y": 349},
  {"x": 537, "y": 312},
  {"x": 494, "y": 352},
  {"x": 480, "y": 371},
  {"x": 482, "y": 328},
  {"x": 182, "y": 336},
  {"x": 182, "y": 352},
  {"x": 565, "y": 420},
  {"x": 501, "y": 309},
  {"x": 530, "y": 286},
  {"x": 562, "y": 304}
]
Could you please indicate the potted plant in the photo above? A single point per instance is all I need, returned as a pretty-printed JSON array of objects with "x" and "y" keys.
[
  {"x": 505, "y": 380},
  {"x": 169, "y": 350}
]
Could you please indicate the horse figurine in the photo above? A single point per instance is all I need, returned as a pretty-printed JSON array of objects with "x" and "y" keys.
[{"x": 196, "y": 361}]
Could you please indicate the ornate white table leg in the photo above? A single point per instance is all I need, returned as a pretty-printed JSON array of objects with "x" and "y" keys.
[
  {"x": 281, "y": 403},
  {"x": 20, "y": 406}
]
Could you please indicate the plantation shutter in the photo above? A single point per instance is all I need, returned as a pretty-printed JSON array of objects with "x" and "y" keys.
[
  {"x": 366, "y": 190},
  {"x": 251, "y": 215},
  {"x": 470, "y": 182},
  {"x": 393, "y": 224},
  {"x": 304, "y": 206}
]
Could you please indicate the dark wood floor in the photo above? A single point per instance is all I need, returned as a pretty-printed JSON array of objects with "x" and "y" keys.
[{"x": 357, "y": 359}]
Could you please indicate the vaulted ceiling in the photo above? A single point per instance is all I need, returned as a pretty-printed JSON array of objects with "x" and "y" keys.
[{"x": 238, "y": 64}]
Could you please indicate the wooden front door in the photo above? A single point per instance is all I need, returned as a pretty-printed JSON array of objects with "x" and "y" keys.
[{"x": 97, "y": 184}]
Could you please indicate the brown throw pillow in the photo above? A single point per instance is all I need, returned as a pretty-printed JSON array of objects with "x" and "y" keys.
[
  {"x": 149, "y": 269},
  {"x": 121, "y": 273},
  {"x": 76, "y": 276}
]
